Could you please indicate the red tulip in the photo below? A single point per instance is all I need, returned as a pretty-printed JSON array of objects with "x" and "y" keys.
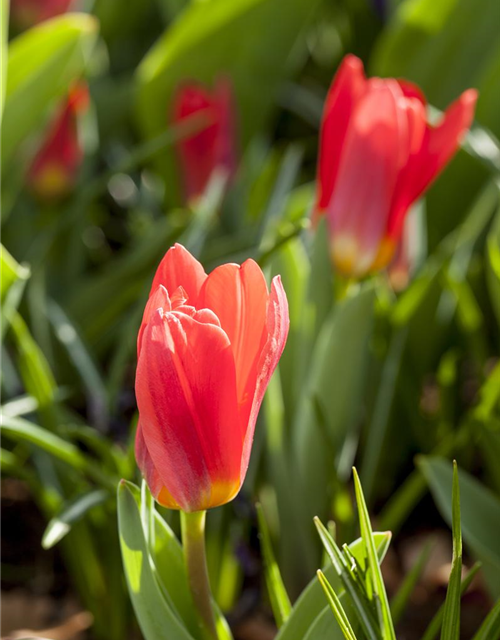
[
  {"x": 378, "y": 154},
  {"x": 26, "y": 13},
  {"x": 207, "y": 348},
  {"x": 214, "y": 146},
  {"x": 54, "y": 170}
]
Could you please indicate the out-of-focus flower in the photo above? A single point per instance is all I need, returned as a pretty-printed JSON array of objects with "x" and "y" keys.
[
  {"x": 378, "y": 154},
  {"x": 207, "y": 348},
  {"x": 53, "y": 172},
  {"x": 26, "y": 13},
  {"x": 408, "y": 253},
  {"x": 211, "y": 148}
]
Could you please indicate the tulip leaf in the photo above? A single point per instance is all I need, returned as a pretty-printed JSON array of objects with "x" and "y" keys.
[
  {"x": 4, "y": 36},
  {"x": 311, "y": 602},
  {"x": 480, "y": 510},
  {"x": 170, "y": 572},
  {"x": 333, "y": 402},
  {"x": 280, "y": 602},
  {"x": 325, "y": 627},
  {"x": 60, "y": 525},
  {"x": 156, "y": 618},
  {"x": 42, "y": 62},
  {"x": 451, "y": 614},
  {"x": 490, "y": 629},
  {"x": 196, "y": 46},
  {"x": 493, "y": 265}
]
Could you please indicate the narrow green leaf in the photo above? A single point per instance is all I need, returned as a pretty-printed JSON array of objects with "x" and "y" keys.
[
  {"x": 490, "y": 629},
  {"x": 451, "y": 616},
  {"x": 280, "y": 602},
  {"x": 309, "y": 605},
  {"x": 480, "y": 514},
  {"x": 382, "y": 603},
  {"x": 156, "y": 619},
  {"x": 352, "y": 588},
  {"x": 22, "y": 430},
  {"x": 61, "y": 524},
  {"x": 435, "y": 624},
  {"x": 337, "y": 608}
]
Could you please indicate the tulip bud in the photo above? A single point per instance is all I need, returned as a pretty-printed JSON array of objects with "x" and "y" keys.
[
  {"x": 378, "y": 155},
  {"x": 53, "y": 172},
  {"x": 207, "y": 348},
  {"x": 213, "y": 147},
  {"x": 27, "y": 13}
]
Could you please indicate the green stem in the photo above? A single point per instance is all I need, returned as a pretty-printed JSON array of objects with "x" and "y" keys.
[{"x": 193, "y": 542}]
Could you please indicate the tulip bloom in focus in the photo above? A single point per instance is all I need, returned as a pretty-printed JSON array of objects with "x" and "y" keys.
[
  {"x": 54, "y": 170},
  {"x": 207, "y": 348},
  {"x": 211, "y": 148},
  {"x": 26, "y": 13},
  {"x": 378, "y": 154}
]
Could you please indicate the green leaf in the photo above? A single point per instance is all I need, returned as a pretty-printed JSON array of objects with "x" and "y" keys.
[
  {"x": 451, "y": 616},
  {"x": 380, "y": 594},
  {"x": 480, "y": 510},
  {"x": 310, "y": 602},
  {"x": 35, "y": 371},
  {"x": 324, "y": 627},
  {"x": 42, "y": 62},
  {"x": 336, "y": 607},
  {"x": 493, "y": 265},
  {"x": 490, "y": 629},
  {"x": 61, "y": 524},
  {"x": 196, "y": 46},
  {"x": 333, "y": 402},
  {"x": 10, "y": 272},
  {"x": 156, "y": 618},
  {"x": 24, "y": 431},
  {"x": 4, "y": 37},
  {"x": 170, "y": 571},
  {"x": 280, "y": 602},
  {"x": 435, "y": 624}
]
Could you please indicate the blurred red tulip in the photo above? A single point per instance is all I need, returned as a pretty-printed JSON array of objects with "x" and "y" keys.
[
  {"x": 378, "y": 154},
  {"x": 26, "y": 13},
  {"x": 207, "y": 348},
  {"x": 214, "y": 146},
  {"x": 53, "y": 172}
]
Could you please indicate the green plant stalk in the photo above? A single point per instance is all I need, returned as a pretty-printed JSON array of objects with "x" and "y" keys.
[{"x": 193, "y": 543}]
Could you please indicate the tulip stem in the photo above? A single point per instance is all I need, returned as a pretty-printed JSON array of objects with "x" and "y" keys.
[{"x": 193, "y": 542}]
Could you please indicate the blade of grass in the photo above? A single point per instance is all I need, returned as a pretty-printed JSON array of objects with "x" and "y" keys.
[
  {"x": 359, "y": 600},
  {"x": 382, "y": 602},
  {"x": 280, "y": 602},
  {"x": 490, "y": 629},
  {"x": 336, "y": 606},
  {"x": 451, "y": 616},
  {"x": 435, "y": 624}
]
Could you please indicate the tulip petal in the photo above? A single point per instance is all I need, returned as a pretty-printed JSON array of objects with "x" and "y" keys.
[
  {"x": 186, "y": 394},
  {"x": 238, "y": 296},
  {"x": 148, "y": 470},
  {"x": 180, "y": 269},
  {"x": 438, "y": 146},
  {"x": 376, "y": 145},
  {"x": 159, "y": 299},
  {"x": 277, "y": 325},
  {"x": 348, "y": 87}
]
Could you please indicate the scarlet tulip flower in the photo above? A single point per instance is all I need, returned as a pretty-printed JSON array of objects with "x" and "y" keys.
[
  {"x": 26, "y": 13},
  {"x": 54, "y": 169},
  {"x": 378, "y": 154},
  {"x": 211, "y": 148},
  {"x": 207, "y": 348}
]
